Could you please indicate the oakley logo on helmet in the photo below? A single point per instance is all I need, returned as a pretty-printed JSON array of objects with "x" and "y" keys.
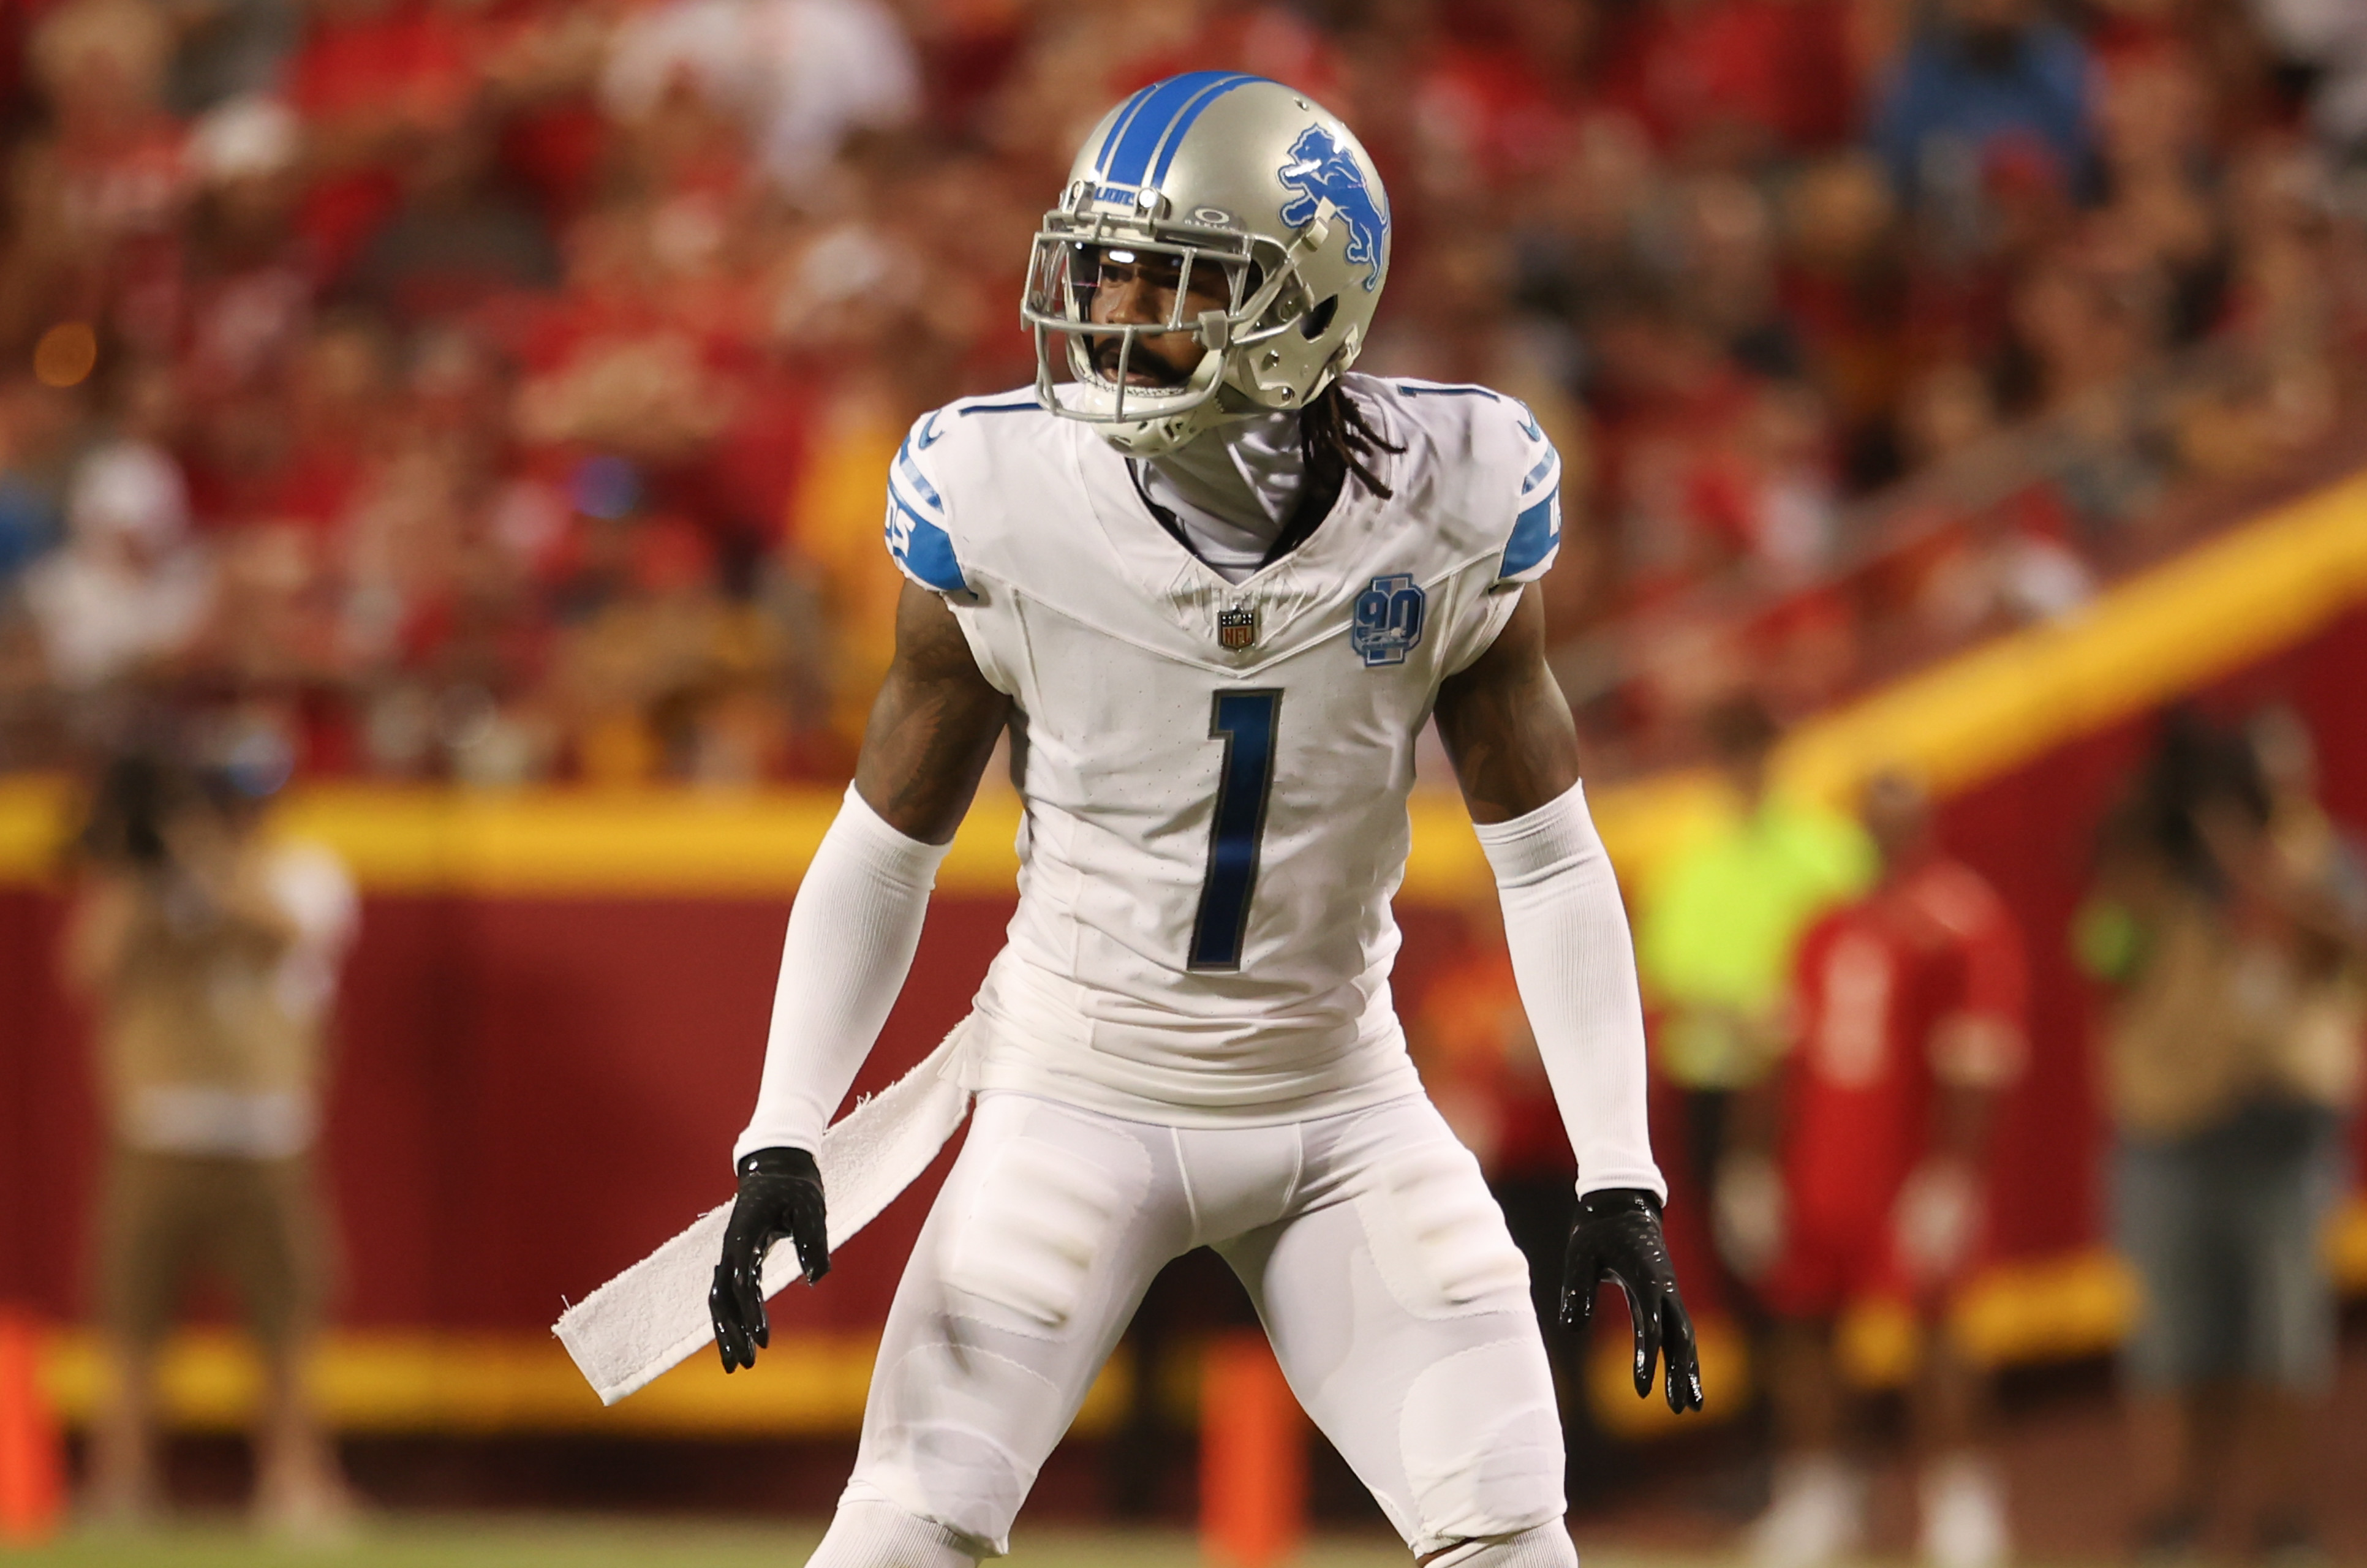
[{"x": 1320, "y": 170}]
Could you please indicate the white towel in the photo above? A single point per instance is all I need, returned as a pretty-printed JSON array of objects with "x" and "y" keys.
[{"x": 654, "y": 1314}]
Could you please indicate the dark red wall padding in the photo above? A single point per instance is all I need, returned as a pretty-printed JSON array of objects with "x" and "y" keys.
[{"x": 531, "y": 1093}]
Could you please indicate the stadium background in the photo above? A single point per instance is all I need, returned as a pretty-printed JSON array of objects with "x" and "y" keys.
[{"x": 523, "y": 374}]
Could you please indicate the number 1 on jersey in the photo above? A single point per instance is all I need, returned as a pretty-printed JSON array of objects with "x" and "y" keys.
[{"x": 1245, "y": 722}]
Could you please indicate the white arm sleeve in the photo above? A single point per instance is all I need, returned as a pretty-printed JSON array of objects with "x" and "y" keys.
[
  {"x": 1576, "y": 968},
  {"x": 852, "y": 932}
]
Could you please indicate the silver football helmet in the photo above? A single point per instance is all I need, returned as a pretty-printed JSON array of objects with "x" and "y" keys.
[{"x": 1222, "y": 186}]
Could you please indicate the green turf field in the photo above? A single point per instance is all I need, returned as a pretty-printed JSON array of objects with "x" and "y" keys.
[{"x": 578, "y": 1543}]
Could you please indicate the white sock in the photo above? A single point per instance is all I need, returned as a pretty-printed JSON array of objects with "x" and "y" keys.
[
  {"x": 1816, "y": 1516},
  {"x": 1965, "y": 1523},
  {"x": 880, "y": 1535},
  {"x": 1546, "y": 1546}
]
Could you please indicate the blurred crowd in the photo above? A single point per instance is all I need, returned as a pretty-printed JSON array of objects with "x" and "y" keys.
[{"x": 500, "y": 389}]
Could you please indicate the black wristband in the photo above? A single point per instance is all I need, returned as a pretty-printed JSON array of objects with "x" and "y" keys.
[
  {"x": 1605, "y": 1202},
  {"x": 778, "y": 1162}
]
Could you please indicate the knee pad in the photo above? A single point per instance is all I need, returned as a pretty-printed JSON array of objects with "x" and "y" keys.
[
  {"x": 867, "y": 1534},
  {"x": 956, "y": 1438},
  {"x": 1481, "y": 1442},
  {"x": 1539, "y": 1548},
  {"x": 1547, "y": 1546}
]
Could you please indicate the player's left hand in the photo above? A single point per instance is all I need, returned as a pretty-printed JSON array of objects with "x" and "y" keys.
[
  {"x": 1617, "y": 1237},
  {"x": 780, "y": 1198}
]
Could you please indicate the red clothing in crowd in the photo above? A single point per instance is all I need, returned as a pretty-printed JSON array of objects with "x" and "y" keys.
[
  {"x": 375, "y": 80},
  {"x": 1502, "y": 119},
  {"x": 1778, "y": 70},
  {"x": 1919, "y": 984}
]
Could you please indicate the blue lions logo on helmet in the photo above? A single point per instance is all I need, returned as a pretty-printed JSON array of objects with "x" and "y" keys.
[{"x": 1320, "y": 170}]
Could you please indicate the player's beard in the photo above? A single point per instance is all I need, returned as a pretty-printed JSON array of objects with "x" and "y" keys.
[{"x": 1155, "y": 373}]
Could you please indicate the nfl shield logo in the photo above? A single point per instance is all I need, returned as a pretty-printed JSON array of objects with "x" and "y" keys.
[{"x": 1237, "y": 628}]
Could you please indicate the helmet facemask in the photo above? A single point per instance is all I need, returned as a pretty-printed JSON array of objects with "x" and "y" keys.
[{"x": 1264, "y": 304}]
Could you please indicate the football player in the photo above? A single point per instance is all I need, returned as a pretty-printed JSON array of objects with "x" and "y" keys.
[{"x": 1213, "y": 586}]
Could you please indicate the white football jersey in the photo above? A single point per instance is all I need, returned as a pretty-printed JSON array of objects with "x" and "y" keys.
[{"x": 1215, "y": 775}]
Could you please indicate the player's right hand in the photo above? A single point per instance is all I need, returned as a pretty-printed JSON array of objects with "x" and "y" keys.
[{"x": 780, "y": 1195}]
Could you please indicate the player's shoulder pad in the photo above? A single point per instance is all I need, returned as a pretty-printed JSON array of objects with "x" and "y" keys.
[
  {"x": 946, "y": 451},
  {"x": 1510, "y": 487}
]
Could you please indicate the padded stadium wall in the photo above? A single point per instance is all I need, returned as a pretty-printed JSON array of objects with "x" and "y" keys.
[{"x": 552, "y": 1027}]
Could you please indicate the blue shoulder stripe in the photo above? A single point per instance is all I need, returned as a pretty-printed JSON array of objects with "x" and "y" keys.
[
  {"x": 909, "y": 472},
  {"x": 1418, "y": 389},
  {"x": 922, "y": 549},
  {"x": 1030, "y": 406},
  {"x": 1545, "y": 464},
  {"x": 1536, "y": 533},
  {"x": 930, "y": 508}
]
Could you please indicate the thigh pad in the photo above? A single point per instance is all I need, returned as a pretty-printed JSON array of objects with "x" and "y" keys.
[
  {"x": 1438, "y": 1237},
  {"x": 1040, "y": 1215}
]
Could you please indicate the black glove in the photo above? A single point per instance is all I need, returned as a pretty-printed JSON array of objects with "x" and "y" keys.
[
  {"x": 1617, "y": 1236},
  {"x": 780, "y": 1195}
]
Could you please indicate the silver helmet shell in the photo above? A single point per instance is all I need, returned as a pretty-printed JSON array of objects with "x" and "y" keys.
[{"x": 1214, "y": 169}]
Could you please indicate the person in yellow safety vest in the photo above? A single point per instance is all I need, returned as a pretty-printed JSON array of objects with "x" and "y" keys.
[{"x": 1721, "y": 921}]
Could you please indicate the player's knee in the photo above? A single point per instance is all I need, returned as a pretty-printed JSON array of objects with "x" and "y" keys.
[
  {"x": 955, "y": 1433},
  {"x": 869, "y": 1534},
  {"x": 1481, "y": 1442},
  {"x": 941, "y": 1466},
  {"x": 1546, "y": 1546},
  {"x": 957, "y": 1426}
]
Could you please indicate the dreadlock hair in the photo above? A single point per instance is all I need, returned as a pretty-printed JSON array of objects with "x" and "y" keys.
[{"x": 1338, "y": 441}]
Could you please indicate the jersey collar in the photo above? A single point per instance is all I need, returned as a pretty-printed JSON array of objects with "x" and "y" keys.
[{"x": 1298, "y": 596}]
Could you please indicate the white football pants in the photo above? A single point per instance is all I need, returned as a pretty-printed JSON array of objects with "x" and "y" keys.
[{"x": 1397, "y": 1303}]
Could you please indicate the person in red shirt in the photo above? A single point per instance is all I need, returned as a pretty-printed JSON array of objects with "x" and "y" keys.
[{"x": 1907, "y": 1022}]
